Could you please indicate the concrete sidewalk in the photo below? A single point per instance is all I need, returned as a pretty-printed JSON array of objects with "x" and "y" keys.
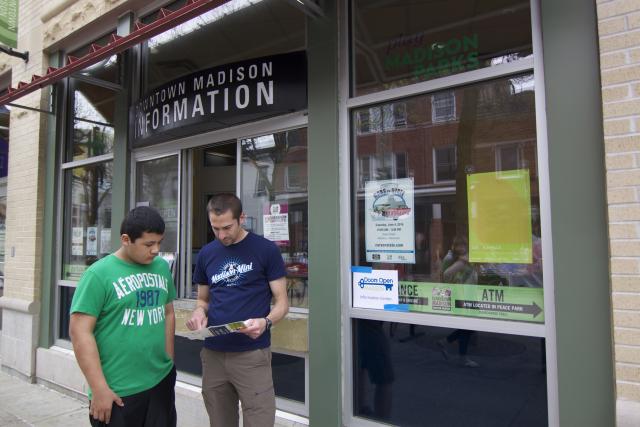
[{"x": 24, "y": 404}]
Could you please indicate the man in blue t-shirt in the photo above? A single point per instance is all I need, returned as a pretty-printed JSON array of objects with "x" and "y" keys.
[{"x": 237, "y": 275}]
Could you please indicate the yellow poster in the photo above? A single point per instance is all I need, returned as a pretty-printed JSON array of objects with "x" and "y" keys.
[{"x": 500, "y": 217}]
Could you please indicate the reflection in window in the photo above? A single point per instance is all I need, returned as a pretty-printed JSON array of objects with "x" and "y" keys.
[
  {"x": 106, "y": 69},
  {"x": 66, "y": 296},
  {"x": 385, "y": 118},
  {"x": 445, "y": 163},
  {"x": 274, "y": 193},
  {"x": 403, "y": 42},
  {"x": 476, "y": 156},
  {"x": 207, "y": 41},
  {"x": 443, "y": 106},
  {"x": 93, "y": 133},
  {"x": 87, "y": 217},
  {"x": 393, "y": 360},
  {"x": 509, "y": 157},
  {"x": 157, "y": 187}
]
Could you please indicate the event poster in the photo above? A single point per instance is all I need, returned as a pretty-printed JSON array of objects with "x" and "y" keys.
[
  {"x": 389, "y": 221},
  {"x": 500, "y": 217},
  {"x": 374, "y": 288},
  {"x": 276, "y": 223}
]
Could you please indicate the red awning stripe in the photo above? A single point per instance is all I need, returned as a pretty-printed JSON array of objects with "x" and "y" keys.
[{"x": 166, "y": 20}]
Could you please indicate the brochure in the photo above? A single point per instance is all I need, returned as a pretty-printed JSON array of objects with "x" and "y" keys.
[{"x": 214, "y": 331}]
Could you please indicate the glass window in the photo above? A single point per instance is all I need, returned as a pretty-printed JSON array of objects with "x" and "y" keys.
[
  {"x": 275, "y": 200},
  {"x": 208, "y": 41},
  {"x": 87, "y": 217},
  {"x": 157, "y": 186},
  {"x": 413, "y": 375},
  {"x": 93, "y": 112},
  {"x": 455, "y": 203},
  {"x": 288, "y": 376},
  {"x": 107, "y": 69},
  {"x": 66, "y": 296},
  {"x": 405, "y": 41}
]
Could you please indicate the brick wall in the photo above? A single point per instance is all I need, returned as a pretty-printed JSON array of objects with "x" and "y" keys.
[
  {"x": 25, "y": 197},
  {"x": 619, "y": 29}
]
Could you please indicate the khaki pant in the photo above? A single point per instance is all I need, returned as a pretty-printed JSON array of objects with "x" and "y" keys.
[{"x": 231, "y": 376}]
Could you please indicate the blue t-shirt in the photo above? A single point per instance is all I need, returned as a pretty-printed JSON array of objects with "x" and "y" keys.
[{"x": 238, "y": 277}]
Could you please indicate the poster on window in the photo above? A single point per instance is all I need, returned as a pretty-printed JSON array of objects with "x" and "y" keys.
[
  {"x": 374, "y": 288},
  {"x": 92, "y": 241},
  {"x": 77, "y": 241},
  {"x": 105, "y": 240},
  {"x": 500, "y": 217},
  {"x": 494, "y": 302},
  {"x": 389, "y": 221},
  {"x": 275, "y": 223}
]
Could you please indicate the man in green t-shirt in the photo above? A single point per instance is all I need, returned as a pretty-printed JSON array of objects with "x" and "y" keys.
[{"x": 122, "y": 329}]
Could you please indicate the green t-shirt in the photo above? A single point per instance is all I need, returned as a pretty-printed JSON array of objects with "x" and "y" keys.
[{"x": 128, "y": 301}]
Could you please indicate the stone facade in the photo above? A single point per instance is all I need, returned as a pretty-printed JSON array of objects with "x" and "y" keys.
[
  {"x": 25, "y": 204},
  {"x": 619, "y": 31}
]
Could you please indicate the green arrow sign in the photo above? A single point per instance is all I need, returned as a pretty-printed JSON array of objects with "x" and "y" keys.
[{"x": 496, "y": 302}]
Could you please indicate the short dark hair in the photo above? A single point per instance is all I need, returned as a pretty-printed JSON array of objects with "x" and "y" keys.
[
  {"x": 142, "y": 219},
  {"x": 223, "y": 202}
]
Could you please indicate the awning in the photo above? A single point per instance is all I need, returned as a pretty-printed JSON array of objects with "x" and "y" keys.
[{"x": 166, "y": 20}]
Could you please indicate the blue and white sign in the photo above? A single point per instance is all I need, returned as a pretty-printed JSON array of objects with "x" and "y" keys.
[
  {"x": 374, "y": 288},
  {"x": 389, "y": 221}
]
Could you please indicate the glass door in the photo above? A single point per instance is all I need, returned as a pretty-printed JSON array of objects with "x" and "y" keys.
[
  {"x": 158, "y": 186},
  {"x": 273, "y": 190}
]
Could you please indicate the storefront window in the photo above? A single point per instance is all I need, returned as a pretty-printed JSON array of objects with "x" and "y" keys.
[
  {"x": 415, "y": 375},
  {"x": 207, "y": 41},
  {"x": 106, "y": 69},
  {"x": 157, "y": 186},
  {"x": 87, "y": 218},
  {"x": 458, "y": 218},
  {"x": 403, "y": 42},
  {"x": 93, "y": 109},
  {"x": 275, "y": 201}
]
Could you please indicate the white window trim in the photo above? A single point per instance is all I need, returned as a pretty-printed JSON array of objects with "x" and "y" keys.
[{"x": 434, "y": 116}]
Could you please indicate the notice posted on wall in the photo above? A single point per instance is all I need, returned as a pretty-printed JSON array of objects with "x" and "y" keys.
[
  {"x": 275, "y": 222},
  {"x": 500, "y": 217},
  {"x": 374, "y": 288},
  {"x": 105, "y": 240},
  {"x": 389, "y": 221},
  {"x": 77, "y": 241},
  {"x": 92, "y": 241}
]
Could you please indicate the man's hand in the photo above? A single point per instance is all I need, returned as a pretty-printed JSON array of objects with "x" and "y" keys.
[
  {"x": 198, "y": 319},
  {"x": 102, "y": 402},
  {"x": 255, "y": 327}
]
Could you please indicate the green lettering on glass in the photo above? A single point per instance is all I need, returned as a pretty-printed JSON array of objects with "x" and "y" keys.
[{"x": 457, "y": 54}]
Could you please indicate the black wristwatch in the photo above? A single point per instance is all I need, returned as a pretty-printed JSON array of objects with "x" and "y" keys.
[{"x": 268, "y": 324}]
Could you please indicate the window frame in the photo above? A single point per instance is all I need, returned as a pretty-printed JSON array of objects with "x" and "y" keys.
[
  {"x": 67, "y": 119},
  {"x": 347, "y": 104}
]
